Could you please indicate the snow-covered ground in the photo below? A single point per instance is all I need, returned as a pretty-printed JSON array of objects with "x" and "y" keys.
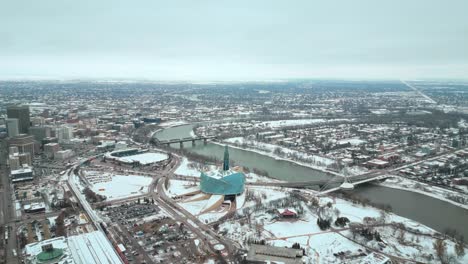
[
  {"x": 296, "y": 122},
  {"x": 187, "y": 168},
  {"x": 122, "y": 186},
  {"x": 253, "y": 177},
  {"x": 352, "y": 141},
  {"x": 145, "y": 158},
  {"x": 426, "y": 189},
  {"x": 264, "y": 194},
  {"x": 194, "y": 207},
  {"x": 321, "y": 245},
  {"x": 179, "y": 187},
  {"x": 197, "y": 204},
  {"x": 356, "y": 170},
  {"x": 173, "y": 123}
]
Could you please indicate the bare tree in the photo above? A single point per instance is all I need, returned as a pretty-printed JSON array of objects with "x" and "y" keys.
[
  {"x": 441, "y": 249},
  {"x": 401, "y": 237},
  {"x": 383, "y": 217},
  {"x": 60, "y": 225},
  {"x": 460, "y": 248}
]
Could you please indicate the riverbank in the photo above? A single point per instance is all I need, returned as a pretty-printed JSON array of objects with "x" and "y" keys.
[
  {"x": 193, "y": 169},
  {"x": 166, "y": 125},
  {"x": 276, "y": 157},
  {"x": 170, "y": 124},
  {"x": 424, "y": 189}
]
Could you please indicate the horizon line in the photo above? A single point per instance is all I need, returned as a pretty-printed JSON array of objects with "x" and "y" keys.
[{"x": 240, "y": 80}]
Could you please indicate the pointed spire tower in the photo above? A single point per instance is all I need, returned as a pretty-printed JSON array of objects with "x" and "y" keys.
[{"x": 226, "y": 159}]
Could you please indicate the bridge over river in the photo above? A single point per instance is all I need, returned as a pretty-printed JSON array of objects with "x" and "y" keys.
[
  {"x": 182, "y": 140},
  {"x": 355, "y": 180}
]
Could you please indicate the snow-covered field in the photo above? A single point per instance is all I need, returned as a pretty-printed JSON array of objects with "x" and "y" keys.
[
  {"x": 145, "y": 158},
  {"x": 187, "y": 168},
  {"x": 179, "y": 187},
  {"x": 321, "y": 245},
  {"x": 264, "y": 194},
  {"x": 122, "y": 186}
]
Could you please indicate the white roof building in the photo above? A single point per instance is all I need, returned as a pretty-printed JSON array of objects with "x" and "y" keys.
[{"x": 89, "y": 248}]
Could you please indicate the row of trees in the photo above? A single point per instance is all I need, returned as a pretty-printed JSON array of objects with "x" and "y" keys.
[{"x": 93, "y": 197}]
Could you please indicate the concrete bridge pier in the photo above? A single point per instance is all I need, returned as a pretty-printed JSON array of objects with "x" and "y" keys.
[
  {"x": 205, "y": 141},
  {"x": 193, "y": 142},
  {"x": 181, "y": 144}
]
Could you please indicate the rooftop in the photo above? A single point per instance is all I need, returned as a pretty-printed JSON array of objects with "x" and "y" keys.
[
  {"x": 274, "y": 254},
  {"x": 223, "y": 182},
  {"x": 86, "y": 248}
]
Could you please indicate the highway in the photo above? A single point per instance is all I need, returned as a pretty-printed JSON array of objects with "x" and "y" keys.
[
  {"x": 208, "y": 237},
  {"x": 419, "y": 92},
  {"x": 8, "y": 217},
  {"x": 86, "y": 206}
]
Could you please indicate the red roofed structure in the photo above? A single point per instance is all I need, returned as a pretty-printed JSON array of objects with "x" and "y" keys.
[{"x": 286, "y": 213}]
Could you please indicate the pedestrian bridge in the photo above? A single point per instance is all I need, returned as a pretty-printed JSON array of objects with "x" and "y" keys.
[
  {"x": 355, "y": 180},
  {"x": 370, "y": 179}
]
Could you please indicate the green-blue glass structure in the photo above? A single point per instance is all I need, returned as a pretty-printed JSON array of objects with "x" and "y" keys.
[{"x": 231, "y": 184}]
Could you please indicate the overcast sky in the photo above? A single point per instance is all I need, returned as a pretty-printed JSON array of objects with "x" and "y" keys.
[{"x": 234, "y": 40}]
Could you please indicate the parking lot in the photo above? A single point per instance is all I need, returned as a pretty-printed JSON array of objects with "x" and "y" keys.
[{"x": 149, "y": 234}]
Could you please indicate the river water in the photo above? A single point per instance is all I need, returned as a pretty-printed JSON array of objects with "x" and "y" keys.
[{"x": 429, "y": 211}]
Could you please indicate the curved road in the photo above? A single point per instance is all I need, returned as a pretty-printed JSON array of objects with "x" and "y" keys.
[{"x": 208, "y": 236}]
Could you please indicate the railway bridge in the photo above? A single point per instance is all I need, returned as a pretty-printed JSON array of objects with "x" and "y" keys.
[{"x": 182, "y": 140}]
